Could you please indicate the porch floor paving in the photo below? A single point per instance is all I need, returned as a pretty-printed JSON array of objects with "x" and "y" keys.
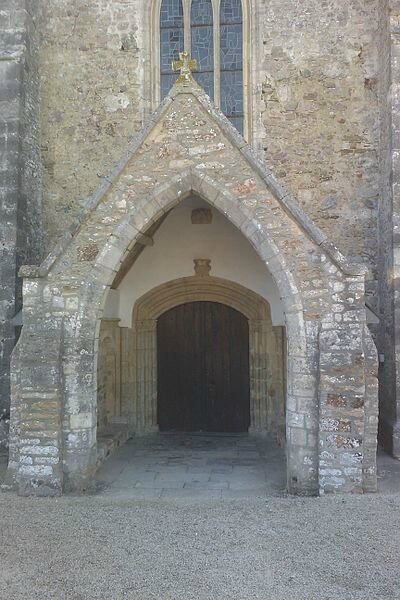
[{"x": 224, "y": 466}]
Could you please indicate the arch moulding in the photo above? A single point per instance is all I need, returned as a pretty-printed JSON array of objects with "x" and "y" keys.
[{"x": 266, "y": 344}]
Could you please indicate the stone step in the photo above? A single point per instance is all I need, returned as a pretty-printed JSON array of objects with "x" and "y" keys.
[{"x": 109, "y": 439}]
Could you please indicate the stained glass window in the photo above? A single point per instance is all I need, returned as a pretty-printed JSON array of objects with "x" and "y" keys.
[
  {"x": 231, "y": 76},
  {"x": 203, "y": 43},
  {"x": 171, "y": 41},
  {"x": 193, "y": 25}
]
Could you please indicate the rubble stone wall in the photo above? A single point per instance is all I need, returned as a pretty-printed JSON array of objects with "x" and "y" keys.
[
  {"x": 91, "y": 100},
  {"x": 20, "y": 183},
  {"x": 314, "y": 89}
]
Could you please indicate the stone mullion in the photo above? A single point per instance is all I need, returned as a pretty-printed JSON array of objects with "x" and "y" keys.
[
  {"x": 187, "y": 44},
  {"x": 154, "y": 66},
  {"x": 217, "y": 53},
  {"x": 251, "y": 24}
]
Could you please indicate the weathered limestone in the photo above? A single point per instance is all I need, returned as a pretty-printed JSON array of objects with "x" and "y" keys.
[
  {"x": 322, "y": 106},
  {"x": 331, "y": 391},
  {"x": 312, "y": 71}
]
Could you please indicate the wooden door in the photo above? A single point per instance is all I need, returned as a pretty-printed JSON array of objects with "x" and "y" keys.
[{"x": 203, "y": 369}]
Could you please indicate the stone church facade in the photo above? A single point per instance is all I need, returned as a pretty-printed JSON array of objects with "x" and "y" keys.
[{"x": 127, "y": 194}]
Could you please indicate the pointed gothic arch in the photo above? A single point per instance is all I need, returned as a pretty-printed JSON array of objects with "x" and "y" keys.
[
  {"x": 265, "y": 342},
  {"x": 330, "y": 421}
]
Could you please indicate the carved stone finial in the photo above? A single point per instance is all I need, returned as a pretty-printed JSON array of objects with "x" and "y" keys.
[
  {"x": 185, "y": 65},
  {"x": 202, "y": 267}
]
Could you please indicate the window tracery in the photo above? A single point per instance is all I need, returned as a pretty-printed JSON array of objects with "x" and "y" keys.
[
  {"x": 202, "y": 34},
  {"x": 231, "y": 24},
  {"x": 212, "y": 30},
  {"x": 171, "y": 41}
]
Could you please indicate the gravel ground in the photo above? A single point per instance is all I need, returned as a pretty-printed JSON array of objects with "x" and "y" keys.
[{"x": 96, "y": 547}]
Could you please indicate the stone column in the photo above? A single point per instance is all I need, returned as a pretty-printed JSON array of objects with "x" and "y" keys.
[
  {"x": 258, "y": 377},
  {"x": 128, "y": 370},
  {"x": 267, "y": 401},
  {"x": 146, "y": 375},
  {"x": 79, "y": 387},
  {"x": 277, "y": 383},
  {"x": 109, "y": 373}
]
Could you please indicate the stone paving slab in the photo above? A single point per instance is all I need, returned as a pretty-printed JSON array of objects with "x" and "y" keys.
[
  {"x": 192, "y": 465},
  {"x": 206, "y": 485},
  {"x": 176, "y": 484}
]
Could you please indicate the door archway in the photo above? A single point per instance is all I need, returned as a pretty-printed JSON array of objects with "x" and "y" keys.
[{"x": 266, "y": 350}]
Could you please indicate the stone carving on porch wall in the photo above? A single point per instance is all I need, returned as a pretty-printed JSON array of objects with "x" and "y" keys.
[{"x": 202, "y": 267}]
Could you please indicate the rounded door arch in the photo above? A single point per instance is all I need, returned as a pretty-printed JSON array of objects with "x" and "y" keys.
[{"x": 266, "y": 349}]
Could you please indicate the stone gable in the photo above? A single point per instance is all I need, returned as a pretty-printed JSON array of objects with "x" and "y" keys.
[{"x": 190, "y": 148}]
